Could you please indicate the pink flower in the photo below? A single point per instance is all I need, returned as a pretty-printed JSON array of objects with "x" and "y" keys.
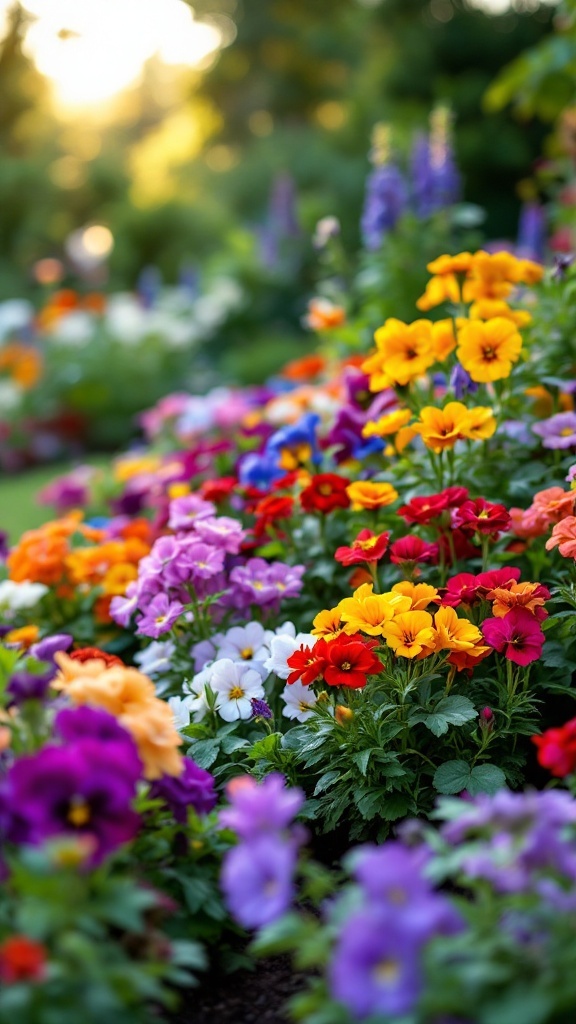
[
  {"x": 564, "y": 537},
  {"x": 517, "y": 636}
]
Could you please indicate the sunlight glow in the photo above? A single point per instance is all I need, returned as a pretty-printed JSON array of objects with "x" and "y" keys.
[{"x": 93, "y": 49}]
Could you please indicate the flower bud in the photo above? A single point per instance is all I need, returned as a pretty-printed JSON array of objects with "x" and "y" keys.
[
  {"x": 343, "y": 715},
  {"x": 487, "y": 719}
]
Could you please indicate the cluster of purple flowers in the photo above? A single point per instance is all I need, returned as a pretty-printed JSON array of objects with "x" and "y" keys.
[
  {"x": 199, "y": 561},
  {"x": 359, "y": 407},
  {"x": 518, "y": 842},
  {"x": 377, "y": 963},
  {"x": 258, "y": 874},
  {"x": 434, "y": 184},
  {"x": 82, "y": 786}
]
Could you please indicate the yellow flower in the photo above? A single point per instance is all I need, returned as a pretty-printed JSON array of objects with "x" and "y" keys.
[
  {"x": 443, "y": 340},
  {"x": 367, "y": 612},
  {"x": 493, "y": 275},
  {"x": 327, "y": 623},
  {"x": 458, "y": 264},
  {"x": 488, "y": 309},
  {"x": 129, "y": 466},
  {"x": 441, "y": 428},
  {"x": 444, "y": 288},
  {"x": 454, "y": 634},
  {"x": 370, "y": 494},
  {"x": 403, "y": 353},
  {"x": 480, "y": 424},
  {"x": 118, "y": 577},
  {"x": 420, "y": 594},
  {"x": 25, "y": 636},
  {"x": 410, "y": 634},
  {"x": 488, "y": 349},
  {"x": 388, "y": 424}
]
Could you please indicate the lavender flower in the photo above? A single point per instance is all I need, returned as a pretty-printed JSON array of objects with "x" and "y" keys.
[
  {"x": 160, "y": 616},
  {"x": 461, "y": 383},
  {"x": 45, "y": 649},
  {"x": 24, "y": 685},
  {"x": 222, "y": 532},
  {"x": 257, "y": 880},
  {"x": 257, "y": 809},
  {"x": 186, "y": 511},
  {"x": 558, "y": 431},
  {"x": 385, "y": 202}
]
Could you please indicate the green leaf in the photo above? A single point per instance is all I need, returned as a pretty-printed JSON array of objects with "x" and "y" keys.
[
  {"x": 453, "y": 710},
  {"x": 361, "y": 760},
  {"x": 452, "y": 777},
  {"x": 204, "y": 752},
  {"x": 486, "y": 778},
  {"x": 265, "y": 748}
]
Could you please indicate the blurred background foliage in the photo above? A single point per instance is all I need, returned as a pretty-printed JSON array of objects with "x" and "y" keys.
[{"x": 187, "y": 167}]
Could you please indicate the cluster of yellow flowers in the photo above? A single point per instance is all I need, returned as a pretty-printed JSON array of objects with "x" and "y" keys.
[{"x": 401, "y": 618}]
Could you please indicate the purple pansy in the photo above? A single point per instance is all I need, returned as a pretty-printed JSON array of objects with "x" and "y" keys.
[
  {"x": 260, "y": 808},
  {"x": 258, "y": 879},
  {"x": 160, "y": 616},
  {"x": 558, "y": 431},
  {"x": 193, "y": 788}
]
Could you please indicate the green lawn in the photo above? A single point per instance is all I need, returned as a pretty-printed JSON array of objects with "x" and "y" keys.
[{"x": 19, "y": 510}]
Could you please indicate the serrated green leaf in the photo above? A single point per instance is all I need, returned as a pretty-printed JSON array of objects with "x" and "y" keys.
[
  {"x": 485, "y": 778},
  {"x": 452, "y": 777}
]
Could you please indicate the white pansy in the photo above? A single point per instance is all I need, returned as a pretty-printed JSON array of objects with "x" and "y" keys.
[
  {"x": 298, "y": 701},
  {"x": 196, "y": 697},
  {"x": 15, "y": 597},
  {"x": 180, "y": 707},
  {"x": 283, "y": 647},
  {"x": 155, "y": 659},
  {"x": 249, "y": 644},
  {"x": 235, "y": 686}
]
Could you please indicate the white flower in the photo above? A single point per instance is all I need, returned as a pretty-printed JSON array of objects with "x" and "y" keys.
[
  {"x": 282, "y": 648},
  {"x": 15, "y": 597},
  {"x": 235, "y": 686},
  {"x": 249, "y": 644},
  {"x": 181, "y": 708},
  {"x": 74, "y": 330},
  {"x": 154, "y": 660},
  {"x": 299, "y": 701},
  {"x": 197, "y": 700},
  {"x": 15, "y": 314},
  {"x": 10, "y": 395}
]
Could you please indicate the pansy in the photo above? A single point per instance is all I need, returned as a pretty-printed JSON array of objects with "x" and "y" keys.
[
  {"x": 235, "y": 685},
  {"x": 557, "y": 432},
  {"x": 517, "y": 636},
  {"x": 488, "y": 349},
  {"x": 299, "y": 701}
]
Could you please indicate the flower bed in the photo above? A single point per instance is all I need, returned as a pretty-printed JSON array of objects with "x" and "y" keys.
[{"x": 350, "y": 599}]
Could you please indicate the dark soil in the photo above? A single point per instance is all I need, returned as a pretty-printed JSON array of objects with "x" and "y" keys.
[{"x": 244, "y": 997}]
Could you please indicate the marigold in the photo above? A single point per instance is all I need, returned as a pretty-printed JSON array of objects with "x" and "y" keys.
[
  {"x": 488, "y": 349},
  {"x": 388, "y": 424},
  {"x": 531, "y": 596},
  {"x": 409, "y": 634},
  {"x": 453, "y": 633},
  {"x": 370, "y": 494},
  {"x": 420, "y": 594},
  {"x": 367, "y": 612},
  {"x": 403, "y": 353}
]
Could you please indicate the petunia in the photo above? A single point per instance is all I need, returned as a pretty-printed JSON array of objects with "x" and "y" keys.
[{"x": 517, "y": 636}]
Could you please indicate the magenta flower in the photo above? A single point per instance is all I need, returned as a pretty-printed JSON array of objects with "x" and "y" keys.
[
  {"x": 517, "y": 636},
  {"x": 186, "y": 512}
]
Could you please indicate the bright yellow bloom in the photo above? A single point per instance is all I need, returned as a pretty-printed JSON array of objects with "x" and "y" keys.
[
  {"x": 403, "y": 353},
  {"x": 129, "y": 466},
  {"x": 441, "y": 428},
  {"x": 488, "y": 349},
  {"x": 388, "y": 424},
  {"x": 420, "y": 594},
  {"x": 118, "y": 577},
  {"x": 328, "y": 624},
  {"x": 454, "y": 634},
  {"x": 443, "y": 340},
  {"x": 409, "y": 634},
  {"x": 367, "y": 612},
  {"x": 443, "y": 288},
  {"x": 480, "y": 425},
  {"x": 487, "y": 309},
  {"x": 25, "y": 636},
  {"x": 404, "y": 436},
  {"x": 493, "y": 275},
  {"x": 370, "y": 494},
  {"x": 458, "y": 264}
]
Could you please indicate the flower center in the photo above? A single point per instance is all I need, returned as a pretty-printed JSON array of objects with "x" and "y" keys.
[
  {"x": 387, "y": 971},
  {"x": 78, "y": 812},
  {"x": 489, "y": 353},
  {"x": 246, "y": 653},
  {"x": 236, "y": 693},
  {"x": 345, "y": 666},
  {"x": 325, "y": 490}
]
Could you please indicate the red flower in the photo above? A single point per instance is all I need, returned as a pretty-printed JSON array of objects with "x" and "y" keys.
[
  {"x": 461, "y": 589},
  {"x": 367, "y": 547},
  {"x": 325, "y": 492},
  {"x": 557, "y": 749},
  {"x": 517, "y": 636},
  {"x": 494, "y": 578},
  {"x": 412, "y": 549},
  {"x": 306, "y": 663},
  {"x": 21, "y": 959},
  {"x": 218, "y": 490},
  {"x": 480, "y": 516},
  {"x": 83, "y": 654},
  {"x": 424, "y": 510},
  {"x": 270, "y": 510},
  {"x": 348, "y": 660}
]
